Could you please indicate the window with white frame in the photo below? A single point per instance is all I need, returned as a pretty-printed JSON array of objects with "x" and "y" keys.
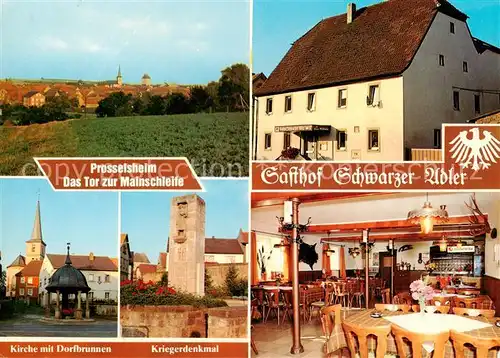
[
  {"x": 21, "y": 292},
  {"x": 341, "y": 140},
  {"x": 23, "y": 279},
  {"x": 286, "y": 140},
  {"x": 456, "y": 100},
  {"x": 30, "y": 292},
  {"x": 477, "y": 104},
  {"x": 106, "y": 295},
  {"x": 269, "y": 105},
  {"x": 91, "y": 277},
  {"x": 311, "y": 101},
  {"x": 342, "y": 102},
  {"x": 30, "y": 280},
  {"x": 267, "y": 141},
  {"x": 373, "y": 95},
  {"x": 373, "y": 140},
  {"x": 441, "y": 60},
  {"x": 288, "y": 104}
]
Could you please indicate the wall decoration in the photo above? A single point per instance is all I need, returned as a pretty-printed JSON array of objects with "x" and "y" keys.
[{"x": 308, "y": 254}]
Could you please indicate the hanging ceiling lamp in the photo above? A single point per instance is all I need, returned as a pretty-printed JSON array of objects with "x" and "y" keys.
[{"x": 427, "y": 216}]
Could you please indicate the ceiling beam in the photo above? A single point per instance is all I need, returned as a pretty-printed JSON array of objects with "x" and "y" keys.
[
  {"x": 400, "y": 236},
  {"x": 264, "y": 199},
  {"x": 386, "y": 225}
]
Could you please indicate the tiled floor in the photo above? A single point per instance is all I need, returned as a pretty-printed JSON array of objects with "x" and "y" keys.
[{"x": 275, "y": 341}]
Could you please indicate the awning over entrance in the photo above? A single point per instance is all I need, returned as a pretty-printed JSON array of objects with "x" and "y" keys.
[{"x": 304, "y": 128}]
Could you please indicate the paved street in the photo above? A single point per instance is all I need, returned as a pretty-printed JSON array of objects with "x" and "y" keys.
[{"x": 32, "y": 327}]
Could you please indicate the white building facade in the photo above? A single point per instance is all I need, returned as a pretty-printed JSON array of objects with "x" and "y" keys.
[
  {"x": 377, "y": 111},
  {"x": 104, "y": 283}
]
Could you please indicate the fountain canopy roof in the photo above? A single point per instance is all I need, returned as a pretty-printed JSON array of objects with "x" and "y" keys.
[{"x": 68, "y": 279}]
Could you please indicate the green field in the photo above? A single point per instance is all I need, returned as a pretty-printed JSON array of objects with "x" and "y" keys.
[{"x": 216, "y": 144}]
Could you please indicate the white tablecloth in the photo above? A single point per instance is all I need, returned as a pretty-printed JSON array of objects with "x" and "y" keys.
[
  {"x": 270, "y": 288},
  {"x": 433, "y": 323}
]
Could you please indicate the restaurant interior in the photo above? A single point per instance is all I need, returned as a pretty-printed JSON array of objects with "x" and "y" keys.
[{"x": 431, "y": 260}]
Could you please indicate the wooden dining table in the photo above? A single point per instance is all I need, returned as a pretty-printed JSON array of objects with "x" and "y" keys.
[{"x": 474, "y": 326}]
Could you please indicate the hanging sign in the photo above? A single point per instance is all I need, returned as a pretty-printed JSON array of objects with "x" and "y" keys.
[{"x": 462, "y": 249}]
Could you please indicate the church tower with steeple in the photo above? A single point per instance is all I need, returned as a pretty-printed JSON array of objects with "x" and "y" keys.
[
  {"x": 119, "y": 79},
  {"x": 35, "y": 247}
]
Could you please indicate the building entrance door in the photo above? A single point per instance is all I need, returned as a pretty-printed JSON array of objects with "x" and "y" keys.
[{"x": 309, "y": 146}]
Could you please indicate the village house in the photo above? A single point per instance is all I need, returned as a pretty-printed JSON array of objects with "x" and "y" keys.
[
  {"x": 219, "y": 251},
  {"x": 375, "y": 82},
  {"x": 27, "y": 282},
  {"x": 126, "y": 259},
  {"x": 100, "y": 272},
  {"x": 12, "y": 270},
  {"x": 33, "y": 99}
]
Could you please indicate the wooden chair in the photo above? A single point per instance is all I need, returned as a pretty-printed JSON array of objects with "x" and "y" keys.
[
  {"x": 358, "y": 294},
  {"x": 417, "y": 339},
  {"x": 273, "y": 304},
  {"x": 473, "y": 312},
  {"x": 330, "y": 317},
  {"x": 287, "y": 297},
  {"x": 441, "y": 301},
  {"x": 468, "y": 292},
  {"x": 482, "y": 345},
  {"x": 362, "y": 334},
  {"x": 259, "y": 296},
  {"x": 467, "y": 302},
  {"x": 403, "y": 298},
  {"x": 386, "y": 295},
  {"x": 388, "y": 307},
  {"x": 341, "y": 293},
  {"x": 439, "y": 309},
  {"x": 328, "y": 297}
]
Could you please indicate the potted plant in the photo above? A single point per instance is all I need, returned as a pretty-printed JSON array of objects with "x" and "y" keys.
[
  {"x": 430, "y": 266},
  {"x": 290, "y": 153},
  {"x": 262, "y": 259}
]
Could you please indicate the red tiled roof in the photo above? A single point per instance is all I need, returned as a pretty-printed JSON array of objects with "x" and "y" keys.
[
  {"x": 32, "y": 269},
  {"x": 380, "y": 42},
  {"x": 141, "y": 257},
  {"x": 146, "y": 268},
  {"x": 222, "y": 246},
  {"x": 82, "y": 262}
]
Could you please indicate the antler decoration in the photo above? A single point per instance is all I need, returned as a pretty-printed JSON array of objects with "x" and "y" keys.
[{"x": 477, "y": 218}]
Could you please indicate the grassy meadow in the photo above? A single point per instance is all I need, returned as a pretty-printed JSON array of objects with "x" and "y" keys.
[{"x": 214, "y": 143}]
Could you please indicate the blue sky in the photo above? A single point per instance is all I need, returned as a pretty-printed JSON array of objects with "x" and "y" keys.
[
  {"x": 174, "y": 41},
  {"x": 276, "y": 24},
  {"x": 146, "y": 215},
  {"x": 88, "y": 220}
]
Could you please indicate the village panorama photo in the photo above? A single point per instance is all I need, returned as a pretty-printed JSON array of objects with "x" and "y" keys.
[
  {"x": 58, "y": 261},
  {"x": 184, "y": 263},
  {"x": 122, "y": 79}
]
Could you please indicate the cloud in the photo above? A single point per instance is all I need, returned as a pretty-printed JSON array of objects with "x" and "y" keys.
[{"x": 52, "y": 43}]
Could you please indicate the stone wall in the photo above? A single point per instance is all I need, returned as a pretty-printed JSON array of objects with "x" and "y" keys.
[
  {"x": 218, "y": 272},
  {"x": 106, "y": 310},
  {"x": 228, "y": 322},
  {"x": 183, "y": 322}
]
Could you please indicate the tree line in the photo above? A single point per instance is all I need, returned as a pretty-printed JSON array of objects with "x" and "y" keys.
[{"x": 230, "y": 93}]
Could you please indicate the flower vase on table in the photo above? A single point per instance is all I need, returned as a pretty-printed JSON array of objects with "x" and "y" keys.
[
  {"x": 421, "y": 303},
  {"x": 421, "y": 292}
]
